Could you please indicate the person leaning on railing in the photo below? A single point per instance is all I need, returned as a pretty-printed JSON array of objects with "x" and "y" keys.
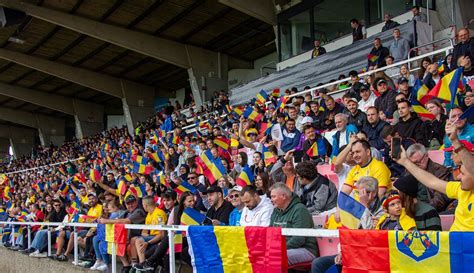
[{"x": 462, "y": 190}]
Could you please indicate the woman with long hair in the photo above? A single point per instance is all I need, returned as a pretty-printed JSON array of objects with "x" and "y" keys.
[
  {"x": 439, "y": 122},
  {"x": 425, "y": 62},
  {"x": 262, "y": 182},
  {"x": 405, "y": 72}
]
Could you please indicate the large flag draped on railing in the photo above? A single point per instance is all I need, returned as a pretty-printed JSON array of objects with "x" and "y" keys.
[
  {"x": 406, "y": 252},
  {"x": 112, "y": 234},
  {"x": 237, "y": 249}
]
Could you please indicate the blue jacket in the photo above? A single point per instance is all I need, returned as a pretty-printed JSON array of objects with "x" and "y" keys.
[
  {"x": 467, "y": 134},
  {"x": 289, "y": 143},
  {"x": 350, "y": 129},
  {"x": 234, "y": 217}
]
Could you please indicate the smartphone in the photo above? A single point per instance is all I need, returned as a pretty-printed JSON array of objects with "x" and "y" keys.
[{"x": 396, "y": 147}]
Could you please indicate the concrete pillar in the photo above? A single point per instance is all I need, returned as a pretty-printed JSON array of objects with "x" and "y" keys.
[
  {"x": 137, "y": 98},
  {"x": 21, "y": 139},
  {"x": 4, "y": 147},
  {"x": 87, "y": 114},
  {"x": 50, "y": 129}
]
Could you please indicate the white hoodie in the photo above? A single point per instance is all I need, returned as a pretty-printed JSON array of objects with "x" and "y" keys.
[{"x": 259, "y": 216}]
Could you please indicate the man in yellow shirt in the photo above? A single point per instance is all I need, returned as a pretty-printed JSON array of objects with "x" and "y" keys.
[
  {"x": 367, "y": 166},
  {"x": 462, "y": 191},
  {"x": 155, "y": 216}
]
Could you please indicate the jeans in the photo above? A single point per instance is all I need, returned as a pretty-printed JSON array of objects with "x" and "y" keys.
[
  {"x": 322, "y": 264},
  {"x": 40, "y": 241},
  {"x": 104, "y": 257}
]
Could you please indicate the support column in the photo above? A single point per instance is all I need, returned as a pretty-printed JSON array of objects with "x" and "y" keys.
[
  {"x": 207, "y": 75},
  {"x": 22, "y": 140},
  {"x": 89, "y": 118},
  {"x": 137, "y": 106},
  {"x": 4, "y": 148}
]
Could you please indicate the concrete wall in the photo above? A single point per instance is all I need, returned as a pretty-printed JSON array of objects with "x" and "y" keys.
[{"x": 238, "y": 77}]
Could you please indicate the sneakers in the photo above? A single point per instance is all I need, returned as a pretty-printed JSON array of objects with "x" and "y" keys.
[
  {"x": 61, "y": 258},
  {"x": 38, "y": 254},
  {"x": 102, "y": 267},
  {"x": 145, "y": 266},
  {"x": 126, "y": 269},
  {"x": 96, "y": 264},
  {"x": 27, "y": 251}
]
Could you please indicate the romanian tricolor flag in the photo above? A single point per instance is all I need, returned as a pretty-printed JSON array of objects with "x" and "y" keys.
[
  {"x": 237, "y": 249},
  {"x": 142, "y": 169},
  {"x": 154, "y": 156},
  {"x": 176, "y": 139},
  {"x": 215, "y": 166},
  {"x": 178, "y": 241},
  {"x": 393, "y": 251},
  {"x": 268, "y": 156},
  {"x": 62, "y": 169},
  {"x": 372, "y": 57},
  {"x": 262, "y": 97},
  {"x": 351, "y": 211},
  {"x": 252, "y": 114},
  {"x": 245, "y": 177},
  {"x": 192, "y": 217},
  {"x": 239, "y": 110},
  {"x": 313, "y": 150},
  {"x": 440, "y": 66},
  {"x": 228, "y": 109},
  {"x": 64, "y": 189},
  {"x": 205, "y": 125},
  {"x": 121, "y": 186},
  {"x": 162, "y": 179},
  {"x": 137, "y": 191},
  {"x": 222, "y": 142},
  {"x": 282, "y": 102},
  {"x": 446, "y": 88},
  {"x": 82, "y": 218},
  {"x": 184, "y": 187},
  {"x": 94, "y": 175},
  {"x": 112, "y": 234},
  {"x": 419, "y": 90},
  {"x": 276, "y": 92},
  {"x": 128, "y": 177},
  {"x": 7, "y": 194},
  {"x": 79, "y": 177}
]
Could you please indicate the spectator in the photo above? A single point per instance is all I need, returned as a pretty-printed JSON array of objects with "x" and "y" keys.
[
  {"x": 358, "y": 31},
  {"x": 395, "y": 217},
  {"x": 392, "y": 72},
  {"x": 344, "y": 131},
  {"x": 220, "y": 209},
  {"x": 424, "y": 65},
  {"x": 367, "y": 98},
  {"x": 373, "y": 128},
  {"x": 155, "y": 216},
  {"x": 405, "y": 89},
  {"x": 373, "y": 151},
  {"x": 385, "y": 103},
  {"x": 367, "y": 166},
  {"x": 316, "y": 114},
  {"x": 318, "y": 49},
  {"x": 425, "y": 216},
  {"x": 438, "y": 123},
  {"x": 379, "y": 53},
  {"x": 291, "y": 136},
  {"x": 409, "y": 125},
  {"x": 289, "y": 212},
  {"x": 356, "y": 84},
  {"x": 417, "y": 154},
  {"x": 344, "y": 162},
  {"x": 399, "y": 48},
  {"x": 389, "y": 23},
  {"x": 258, "y": 209},
  {"x": 464, "y": 131},
  {"x": 332, "y": 108},
  {"x": 323, "y": 145},
  {"x": 464, "y": 47},
  {"x": 468, "y": 71},
  {"x": 405, "y": 73},
  {"x": 432, "y": 76},
  {"x": 262, "y": 182},
  {"x": 418, "y": 15},
  {"x": 356, "y": 116},
  {"x": 235, "y": 199},
  {"x": 319, "y": 194},
  {"x": 284, "y": 171}
]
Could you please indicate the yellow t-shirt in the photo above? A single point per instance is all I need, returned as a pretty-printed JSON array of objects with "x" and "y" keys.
[
  {"x": 157, "y": 217},
  {"x": 464, "y": 214},
  {"x": 95, "y": 211},
  {"x": 84, "y": 199},
  {"x": 375, "y": 168}
]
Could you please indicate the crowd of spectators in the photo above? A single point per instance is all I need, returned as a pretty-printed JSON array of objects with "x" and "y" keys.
[{"x": 282, "y": 150}]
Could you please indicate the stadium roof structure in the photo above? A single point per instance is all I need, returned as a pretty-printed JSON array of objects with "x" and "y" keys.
[{"x": 205, "y": 24}]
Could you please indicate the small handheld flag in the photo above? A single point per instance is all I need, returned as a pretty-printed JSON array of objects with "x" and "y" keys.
[{"x": 192, "y": 217}]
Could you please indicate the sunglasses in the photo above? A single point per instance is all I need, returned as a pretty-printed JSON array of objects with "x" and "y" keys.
[
  {"x": 192, "y": 177},
  {"x": 232, "y": 196}
]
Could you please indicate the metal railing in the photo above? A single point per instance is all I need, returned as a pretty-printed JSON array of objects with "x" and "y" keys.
[
  {"x": 407, "y": 61},
  {"x": 304, "y": 232}
]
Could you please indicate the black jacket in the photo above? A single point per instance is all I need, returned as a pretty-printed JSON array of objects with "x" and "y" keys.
[
  {"x": 221, "y": 214},
  {"x": 389, "y": 25},
  {"x": 462, "y": 49},
  {"x": 381, "y": 52},
  {"x": 386, "y": 103},
  {"x": 308, "y": 143},
  {"x": 412, "y": 128},
  {"x": 359, "y": 119},
  {"x": 328, "y": 116}
]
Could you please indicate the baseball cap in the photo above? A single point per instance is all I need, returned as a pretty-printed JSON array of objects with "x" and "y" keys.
[
  {"x": 236, "y": 188},
  {"x": 306, "y": 120},
  {"x": 130, "y": 198},
  {"x": 381, "y": 80},
  {"x": 354, "y": 100},
  {"x": 402, "y": 80},
  {"x": 252, "y": 131},
  {"x": 363, "y": 87},
  {"x": 92, "y": 193}
]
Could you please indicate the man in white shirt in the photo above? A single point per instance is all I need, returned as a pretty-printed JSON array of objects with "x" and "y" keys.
[
  {"x": 368, "y": 98},
  {"x": 258, "y": 209}
]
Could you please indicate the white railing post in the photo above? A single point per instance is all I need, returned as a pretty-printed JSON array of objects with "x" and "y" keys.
[
  {"x": 171, "y": 251},
  {"x": 49, "y": 241},
  {"x": 13, "y": 236},
  {"x": 29, "y": 237},
  {"x": 114, "y": 258},
  {"x": 76, "y": 249}
]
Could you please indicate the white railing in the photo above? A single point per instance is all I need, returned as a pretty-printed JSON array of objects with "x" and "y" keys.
[
  {"x": 444, "y": 50},
  {"x": 304, "y": 232}
]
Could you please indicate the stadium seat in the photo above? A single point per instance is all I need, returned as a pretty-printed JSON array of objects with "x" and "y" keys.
[
  {"x": 446, "y": 221},
  {"x": 327, "y": 246},
  {"x": 334, "y": 179},
  {"x": 436, "y": 156},
  {"x": 319, "y": 220},
  {"x": 324, "y": 169}
]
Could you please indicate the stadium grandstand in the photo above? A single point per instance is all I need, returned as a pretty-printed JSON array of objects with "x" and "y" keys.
[{"x": 236, "y": 136}]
